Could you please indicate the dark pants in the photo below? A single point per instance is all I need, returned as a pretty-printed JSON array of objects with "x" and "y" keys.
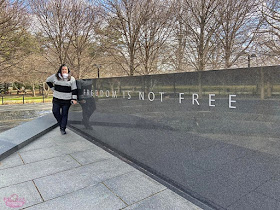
[{"x": 60, "y": 112}]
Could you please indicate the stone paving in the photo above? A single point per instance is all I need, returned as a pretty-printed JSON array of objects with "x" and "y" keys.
[{"x": 68, "y": 172}]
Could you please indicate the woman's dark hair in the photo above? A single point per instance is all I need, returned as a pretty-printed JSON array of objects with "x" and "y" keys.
[{"x": 59, "y": 72}]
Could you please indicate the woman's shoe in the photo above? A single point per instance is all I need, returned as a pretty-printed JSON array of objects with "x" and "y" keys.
[{"x": 62, "y": 131}]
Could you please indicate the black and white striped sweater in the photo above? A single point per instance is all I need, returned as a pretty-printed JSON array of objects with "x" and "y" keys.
[{"x": 63, "y": 90}]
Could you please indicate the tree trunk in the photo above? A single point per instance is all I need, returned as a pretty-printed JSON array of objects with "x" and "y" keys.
[
  {"x": 180, "y": 53},
  {"x": 227, "y": 58},
  {"x": 45, "y": 91},
  {"x": 269, "y": 85},
  {"x": 201, "y": 53},
  {"x": 131, "y": 65},
  {"x": 79, "y": 65},
  {"x": 262, "y": 85},
  {"x": 269, "y": 89},
  {"x": 33, "y": 90},
  {"x": 200, "y": 84}
]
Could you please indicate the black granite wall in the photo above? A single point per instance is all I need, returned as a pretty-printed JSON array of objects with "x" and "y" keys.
[{"x": 214, "y": 134}]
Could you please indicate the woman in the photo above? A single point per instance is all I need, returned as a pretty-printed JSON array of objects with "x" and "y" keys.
[{"x": 64, "y": 94}]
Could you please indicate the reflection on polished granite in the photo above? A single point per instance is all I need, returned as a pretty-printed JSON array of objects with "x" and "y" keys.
[{"x": 226, "y": 157}]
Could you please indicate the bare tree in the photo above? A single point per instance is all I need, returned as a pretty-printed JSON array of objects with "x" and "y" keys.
[
  {"x": 54, "y": 19},
  {"x": 108, "y": 49},
  {"x": 67, "y": 29},
  {"x": 269, "y": 34},
  {"x": 154, "y": 34},
  {"x": 239, "y": 21},
  {"x": 32, "y": 70},
  {"x": 83, "y": 21},
  {"x": 180, "y": 37},
  {"x": 200, "y": 26},
  {"x": 176, "y": 55},
  {"x": 13, "y": 25},
  {"x": 127, "y": 18}
]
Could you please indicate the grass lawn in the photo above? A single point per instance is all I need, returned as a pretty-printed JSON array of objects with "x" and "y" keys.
[{"x": 18, "y": 99}]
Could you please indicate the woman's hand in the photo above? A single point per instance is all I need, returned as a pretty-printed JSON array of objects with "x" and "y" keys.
[{"x": 74, "y": 102}]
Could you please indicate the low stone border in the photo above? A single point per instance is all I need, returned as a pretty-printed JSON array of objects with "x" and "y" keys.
[{"x": 18, "y": 137}]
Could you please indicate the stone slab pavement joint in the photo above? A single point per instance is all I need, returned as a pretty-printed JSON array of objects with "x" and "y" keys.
[
  {"x": 79, "y": 175},
  {"x": 18, "y": 137},
  {"x": 133, "y": 187},
  {"x": 26, "y": 191},
  {"x": 164, "y": 200},
  {"x": 72, "y": 180},
  {"x": 12, "y": 161},
  {"x": 93, "y": 197},
  {"x": 23, "y": 173}
]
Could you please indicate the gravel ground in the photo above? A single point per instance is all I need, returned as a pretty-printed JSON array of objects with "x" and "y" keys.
[{"x": 14, "y": 115}]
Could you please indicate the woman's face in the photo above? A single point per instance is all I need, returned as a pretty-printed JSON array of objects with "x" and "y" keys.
[{"x": 64, "y": 70}]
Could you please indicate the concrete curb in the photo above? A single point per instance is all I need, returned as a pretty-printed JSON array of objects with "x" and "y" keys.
[{"x": 18, "y": 137}]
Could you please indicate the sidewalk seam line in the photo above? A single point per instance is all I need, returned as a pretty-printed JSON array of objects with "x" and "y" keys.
[
  {"x": 38, "y": 190},
  {"x": 32, "y": 162},
  {"x": 45, "y": 159},
  {"x": 114, "y": 193},
  {"x": 65, "y": 154},
  {"x": 253, "y": 190},
  {"x": 24, "y": 151},
  {"x": 152, "y": 196},
  {"x": 10, "y": 166},
  {"x": 74, "y": 159},
  {"x": 42, "y": 160},
  {"x": 60, "y": 196},
  {"x": 21, "y": 158},
  {"x": 128, "y": 172},
  {"x": 50, "y": 174},
  {"x": 67, "y": 193},
  {"x": 268, "y": 196}
]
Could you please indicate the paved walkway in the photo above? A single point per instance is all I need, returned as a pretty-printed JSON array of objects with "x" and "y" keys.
[{"x": 69, "y": 172}]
